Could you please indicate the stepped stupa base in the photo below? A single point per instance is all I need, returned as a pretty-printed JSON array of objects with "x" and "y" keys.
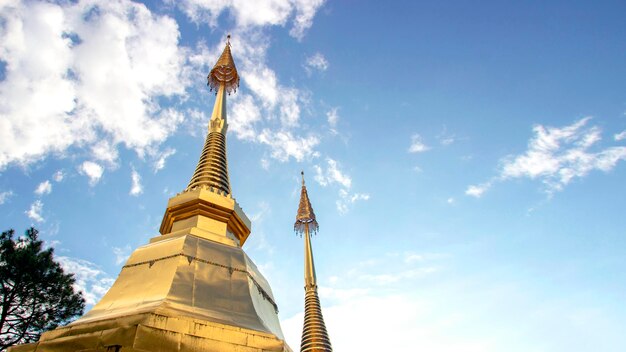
[
  {"x": 181, "y": 293},
  {"x": 154, "y": 332}
]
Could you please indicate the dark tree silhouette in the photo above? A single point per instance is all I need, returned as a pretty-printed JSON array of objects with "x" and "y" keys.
[{"x": 36, "y": 294}]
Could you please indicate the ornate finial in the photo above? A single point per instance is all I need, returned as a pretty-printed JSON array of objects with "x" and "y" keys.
[
  {"x": 224, "y": 71},
  {"x": 306, "y": 216}
]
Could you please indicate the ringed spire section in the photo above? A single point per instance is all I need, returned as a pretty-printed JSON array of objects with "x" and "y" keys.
[{"x": 212, "y": 169}]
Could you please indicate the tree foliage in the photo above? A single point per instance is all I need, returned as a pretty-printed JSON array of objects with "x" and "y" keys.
[{"x": 36, "y": 294}]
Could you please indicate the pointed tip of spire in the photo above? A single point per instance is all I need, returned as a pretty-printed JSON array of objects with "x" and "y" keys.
[{"x": 302, "y": 173}]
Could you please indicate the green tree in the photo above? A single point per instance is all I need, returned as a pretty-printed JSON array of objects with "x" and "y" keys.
[{"x": 36, "y": 294}]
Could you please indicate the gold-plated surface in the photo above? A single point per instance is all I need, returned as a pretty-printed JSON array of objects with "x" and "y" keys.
[
  {"x": 212, "y": 168},
  {"x": 306, "y": 216},
  {"x": 224, "y": 72},
  {"x": 193, "y": 288},
  {"x": 208, "y": 213},
  {"x": 314, "y": 334}
]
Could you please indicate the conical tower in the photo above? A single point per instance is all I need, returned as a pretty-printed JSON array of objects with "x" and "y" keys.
[
  {"x": 314, "y": 334},
  {"x": 192, "y": 288}
]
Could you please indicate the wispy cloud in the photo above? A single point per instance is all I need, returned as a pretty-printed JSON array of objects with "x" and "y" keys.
[
  {"x": 121, "y": 254},
  {"x": 331, "y": 174},
  {"x": 556, "y": 156},
  {"x": 417, "y": 144},
  {"x": 4, "y": 196},
  {"x": 58, "y": 176},
  {"x": 332, "y": 116},
  {"x": 446, "y": 138},
  {"x": 346, "y": 199},
  {"x": 136, "y": 188},
  {"x": 477, "y": 190},
  {"x": 285, "y": 145},
  {"x": 255, "y": 14},
  {"x": 92, "y": 281},
  {"x": 92, "y": 170},
  {"x": 315, "y": 62},
  {"x": 44, "y": 188},
  {"x": 159, "y": 164},
  {"x": 620, "y": 136},
  {"x": 35, "y": 211}
]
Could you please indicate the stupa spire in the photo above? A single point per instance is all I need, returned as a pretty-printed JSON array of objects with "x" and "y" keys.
[
  {"x": 314, "y": 335},
  {"x": 212, "y": 168}
]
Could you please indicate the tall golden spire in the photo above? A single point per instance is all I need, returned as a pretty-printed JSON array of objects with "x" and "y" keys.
[
  {"x": 212, "y": 169},
  {"x": 314, "y": 334}
]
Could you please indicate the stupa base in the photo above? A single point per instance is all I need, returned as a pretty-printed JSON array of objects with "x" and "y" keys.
[{"x": 153, "y": 332}]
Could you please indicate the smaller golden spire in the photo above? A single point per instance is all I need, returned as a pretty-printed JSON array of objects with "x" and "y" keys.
[{"x": 314, "y": 335}]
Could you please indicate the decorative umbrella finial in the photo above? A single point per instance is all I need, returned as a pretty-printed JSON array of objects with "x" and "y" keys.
[{"x": 305, "y": 219}]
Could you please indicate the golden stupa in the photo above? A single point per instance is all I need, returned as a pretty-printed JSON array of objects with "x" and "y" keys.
[
  {"x": 314, "y": 334},
  {"x": 192, "y": 288}
]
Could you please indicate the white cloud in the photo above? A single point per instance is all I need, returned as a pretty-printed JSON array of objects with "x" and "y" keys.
[
  {"x": 283, "y": 145},
  {"x": 417, "y": 145},
  {"x": 136, "y": 188},
  {"x": 103, "y": 87},
  {"x": 4, "y": 196},
  {"x": 121, "y": 254},
  {"x": 58, "y": 176},
  {"x": 106, "y": 152},
  {"x": 332, "y": 116},
  {"x": 92, "y": 281},
  {"x": 92, "y": 170},
  {"x": 346, "y": 199},
  {"x": 259, "y": 13},
  {"x": 477, "y": 190},
  {"x": 245, "y": 114},
  {"x": 35, "y": 211},
  {"x": 331, "y": 175},
  {"x": 446, "y": 138},
  {"x": 305, "y": 11},
  {"x": 450, "y": 200},
  {"x": 44, "y": 188},
  {"x": 413, "y": 257},
  {"x": 159, "y": 164},
  {"x": 315, "y": 62},
  {"x": 556, "y": 156},
  {"x": 620, "y": 136}
]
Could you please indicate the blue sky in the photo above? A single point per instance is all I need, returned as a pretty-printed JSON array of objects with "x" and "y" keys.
[{"x": 466, "y": 161}]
